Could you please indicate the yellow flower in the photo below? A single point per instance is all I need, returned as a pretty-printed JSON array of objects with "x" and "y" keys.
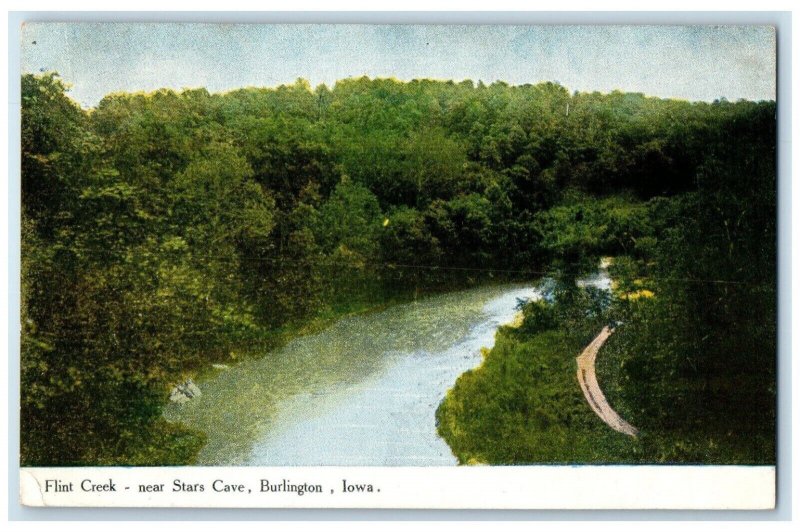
[{"x": 631, "y": 296}]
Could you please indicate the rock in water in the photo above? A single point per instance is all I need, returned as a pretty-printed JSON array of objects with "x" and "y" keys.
[
  {"x": 184, "y": 392},
  {"x": 192, "y": 388}
]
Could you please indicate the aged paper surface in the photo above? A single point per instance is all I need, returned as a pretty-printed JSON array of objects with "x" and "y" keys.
[
  {"x": 398, "y": 266},
  {"x": 517, "y": 487}
]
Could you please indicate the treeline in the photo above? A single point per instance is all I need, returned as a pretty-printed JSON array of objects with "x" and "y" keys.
[{"x": 165, "y": 231}]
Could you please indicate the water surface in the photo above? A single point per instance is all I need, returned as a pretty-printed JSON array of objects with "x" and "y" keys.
[{"x": 362, "y": 392}]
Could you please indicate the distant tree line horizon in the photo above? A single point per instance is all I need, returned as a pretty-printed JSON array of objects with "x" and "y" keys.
[
  {"x": 327, "y": 86},
  {"x": 167, "y": 230}
]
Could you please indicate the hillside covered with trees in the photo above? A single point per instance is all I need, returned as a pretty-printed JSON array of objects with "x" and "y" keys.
[{"x": 163, "y": 232}]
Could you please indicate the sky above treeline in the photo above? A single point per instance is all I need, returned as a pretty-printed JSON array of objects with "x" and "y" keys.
[{"x": 687, "y": 62}]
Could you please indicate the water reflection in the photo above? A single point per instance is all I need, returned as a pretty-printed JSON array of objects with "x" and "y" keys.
[{"x": 362, "y": 392}]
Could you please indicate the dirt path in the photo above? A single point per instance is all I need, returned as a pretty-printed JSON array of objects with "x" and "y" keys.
[{"x": 591, "y": 389}]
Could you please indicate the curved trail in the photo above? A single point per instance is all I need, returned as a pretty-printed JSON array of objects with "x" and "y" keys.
[{"x": 591, "y": 389}]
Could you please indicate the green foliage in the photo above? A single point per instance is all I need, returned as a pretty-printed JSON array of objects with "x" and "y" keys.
[
  {"x": 523, "y": 404},
  {"x": 165, "y": 231},
  {"x": 350, "y": 219},
  {"x": 408, "y": 244}
]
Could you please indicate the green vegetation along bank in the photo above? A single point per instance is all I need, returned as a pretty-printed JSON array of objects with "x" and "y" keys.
[
  {"x": 691, "y": 364},
  {"x": 167, "y": 231}
]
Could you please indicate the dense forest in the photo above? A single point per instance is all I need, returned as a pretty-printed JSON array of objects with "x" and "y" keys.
[{"x": 166, "y": 231}]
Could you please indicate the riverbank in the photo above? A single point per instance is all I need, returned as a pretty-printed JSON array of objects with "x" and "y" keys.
[
  {"x": 524, "y": 405},
  {"x": 363, "y": 391},
  {"x": 180, "y": 444}
]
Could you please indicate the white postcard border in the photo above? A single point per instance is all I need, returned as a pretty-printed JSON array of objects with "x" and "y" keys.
[{"x": 509, "y": 487}]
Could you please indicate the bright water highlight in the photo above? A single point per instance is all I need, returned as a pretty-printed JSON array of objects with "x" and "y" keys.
[{"x": 362, "y": 392}]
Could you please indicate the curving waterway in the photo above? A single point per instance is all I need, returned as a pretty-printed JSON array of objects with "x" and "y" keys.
[{"x": 362, "y": 392}]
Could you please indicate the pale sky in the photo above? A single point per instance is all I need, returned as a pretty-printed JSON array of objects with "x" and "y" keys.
[{"x": 687, "y": 62}]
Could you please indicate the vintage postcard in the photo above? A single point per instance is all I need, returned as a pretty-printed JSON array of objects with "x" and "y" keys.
[{"x": 398, "y": 266}]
